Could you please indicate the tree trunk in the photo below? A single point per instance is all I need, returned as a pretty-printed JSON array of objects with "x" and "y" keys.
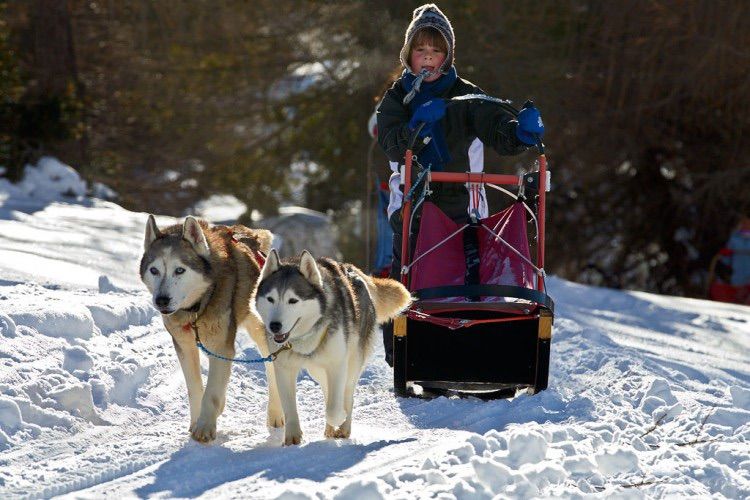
[{"x": 54, "y": 67}]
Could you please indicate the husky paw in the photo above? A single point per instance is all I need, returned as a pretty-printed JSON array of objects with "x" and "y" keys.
[
  {"x": 292, "y": 438},
  {"x": 203, "y": 432},
  {"x": 342, "y": 432},
  {"x": 275, "y": 419}
]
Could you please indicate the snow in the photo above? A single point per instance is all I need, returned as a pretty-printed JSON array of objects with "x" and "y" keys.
[
  {"x": 220, "y": 209},
  {"x": 649, "y": 395}
]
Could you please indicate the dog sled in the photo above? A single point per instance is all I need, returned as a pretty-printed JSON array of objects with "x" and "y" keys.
[{"x": 489, "y": 338}]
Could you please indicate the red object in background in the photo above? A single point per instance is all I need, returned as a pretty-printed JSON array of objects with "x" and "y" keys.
[
  {"x": 382, "y": 273},
  {"x": 719, "y": 288},
  {"x": 724, "y": 292}
]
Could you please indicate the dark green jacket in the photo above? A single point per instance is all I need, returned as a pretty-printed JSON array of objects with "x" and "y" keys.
[{"x": 464, "y": 121}]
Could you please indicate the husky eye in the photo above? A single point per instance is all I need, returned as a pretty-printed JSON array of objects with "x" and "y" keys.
[
  {"x": 293, "y": 301},
  {"x": 179, "y": 270},
  {"x": 270, "y": 299},
  {"x": 154, "y": 271}
]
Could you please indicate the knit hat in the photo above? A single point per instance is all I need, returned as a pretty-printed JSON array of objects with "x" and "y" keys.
[{"x": 429, "y": 16}]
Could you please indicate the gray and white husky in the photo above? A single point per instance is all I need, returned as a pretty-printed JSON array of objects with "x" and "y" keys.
[
  {"x": 202, "y": 277},
  {"x": 328, "y": 313}
]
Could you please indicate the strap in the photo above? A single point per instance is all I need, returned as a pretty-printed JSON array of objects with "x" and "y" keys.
[
  {"x": 260, "y": 258},
  {"x": 456, "y": 323},
  {"x": 516, "y": 292}
]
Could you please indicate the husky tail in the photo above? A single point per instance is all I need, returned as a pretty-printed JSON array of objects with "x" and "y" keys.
[{"x": 388, "y": 296}]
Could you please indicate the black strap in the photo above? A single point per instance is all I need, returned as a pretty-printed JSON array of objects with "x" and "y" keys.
[{"x": 515, "y": 292}]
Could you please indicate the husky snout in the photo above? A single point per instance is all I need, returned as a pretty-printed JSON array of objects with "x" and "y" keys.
[
  {"x": 276, "y": 329},
  {"x": 162, "y": 303}
]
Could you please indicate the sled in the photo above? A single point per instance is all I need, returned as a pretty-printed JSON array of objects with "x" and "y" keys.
[{"x": 489, "y": 338}]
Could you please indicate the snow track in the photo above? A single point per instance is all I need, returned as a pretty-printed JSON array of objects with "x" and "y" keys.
[{"x": 649, "y": 395}]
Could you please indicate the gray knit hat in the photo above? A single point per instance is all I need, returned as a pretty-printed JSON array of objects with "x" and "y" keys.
[{"x": 429, "y": 16}]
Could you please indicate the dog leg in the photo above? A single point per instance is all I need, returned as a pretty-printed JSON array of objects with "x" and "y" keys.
[
  {"x": 345, "y": 430},
  {"x": 189, "y": 358},
  {"x": 354, "y": 370},
  {"x": 319, "y": 375},
  {"x": 335, "y": 381},
  {"x": 286, "y": 377},
  {"x": 214, "y": 397},
  {"x": 275, "y": 411},
  {"x": 275, "y": 414}
]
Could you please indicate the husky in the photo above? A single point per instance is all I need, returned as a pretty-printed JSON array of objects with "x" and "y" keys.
[
  {"x": 201, "y": 278},
  {"x": 326, "y": 313}
]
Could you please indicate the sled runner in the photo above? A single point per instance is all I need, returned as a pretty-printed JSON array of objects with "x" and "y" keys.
[{"x": 485, "y": 332}]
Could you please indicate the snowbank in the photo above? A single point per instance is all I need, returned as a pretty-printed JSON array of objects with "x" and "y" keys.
[{"x": 649, "y": 395}]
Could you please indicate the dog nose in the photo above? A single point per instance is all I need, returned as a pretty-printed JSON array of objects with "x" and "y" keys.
[
  {"x": 275, "y": 326},
  {"x": 162, "y": 301}
]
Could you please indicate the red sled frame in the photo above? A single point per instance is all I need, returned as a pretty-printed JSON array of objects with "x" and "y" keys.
[{"x": 479, "y": 349}]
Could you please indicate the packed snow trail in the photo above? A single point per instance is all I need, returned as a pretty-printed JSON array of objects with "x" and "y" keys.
[{"x": 649, "y": 395}]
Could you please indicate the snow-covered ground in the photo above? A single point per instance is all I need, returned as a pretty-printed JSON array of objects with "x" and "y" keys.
[{"x": 649, "y": 395}]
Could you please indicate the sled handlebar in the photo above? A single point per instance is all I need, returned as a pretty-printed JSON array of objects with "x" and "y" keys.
[
  {"x": 476, "y": 177},
  {"x": 506, "y": 105}
]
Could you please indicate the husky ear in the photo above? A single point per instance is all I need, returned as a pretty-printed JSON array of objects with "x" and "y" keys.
[
  {"x": 193, "y": 233},
  {"x": 271, "y": 265},
  {"x": 309, "y": 269},
  {"x": 152, "y": 232}
]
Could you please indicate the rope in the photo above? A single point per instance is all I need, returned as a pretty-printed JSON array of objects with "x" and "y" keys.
[
  {"x": 539, "y": 271},
  {"x": 268, "y": 359}
]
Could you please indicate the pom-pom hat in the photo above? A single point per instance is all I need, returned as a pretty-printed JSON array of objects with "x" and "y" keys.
[{"x": 429, "y": 16}]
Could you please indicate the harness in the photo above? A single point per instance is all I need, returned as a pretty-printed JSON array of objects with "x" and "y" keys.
[{"x": 259, "y": 256}]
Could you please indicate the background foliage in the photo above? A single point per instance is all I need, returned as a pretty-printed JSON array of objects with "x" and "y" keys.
[{"x": 645, "y": 105}]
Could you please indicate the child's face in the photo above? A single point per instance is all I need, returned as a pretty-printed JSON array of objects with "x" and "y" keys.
[{"x": 427, "y": 56}]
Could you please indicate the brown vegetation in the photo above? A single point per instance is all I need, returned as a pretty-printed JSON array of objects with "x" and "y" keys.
[{"x": 645, "y": 105}]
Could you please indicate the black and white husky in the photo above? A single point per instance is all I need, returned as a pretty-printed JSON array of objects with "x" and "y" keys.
[{"x": 328, "y": 313}]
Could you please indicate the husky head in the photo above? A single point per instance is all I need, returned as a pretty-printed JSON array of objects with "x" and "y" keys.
[
  {"x": 290, "y": 297},
  {"x": 176, "y": 265}
]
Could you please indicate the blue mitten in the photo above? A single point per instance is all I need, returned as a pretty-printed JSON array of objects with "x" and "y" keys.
[
  {"x": 429, "y": 112},
  {"x": 530, "y": 126},
  {"x": 426, "y": 130}
]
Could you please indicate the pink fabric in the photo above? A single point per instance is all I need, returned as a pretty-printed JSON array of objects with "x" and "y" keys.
[
  {"x": 499, "y": 265},
  {"x": 446, "y": 264}
]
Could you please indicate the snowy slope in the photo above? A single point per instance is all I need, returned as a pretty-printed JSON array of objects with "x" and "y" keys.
[{"x": 649, "y": 395}]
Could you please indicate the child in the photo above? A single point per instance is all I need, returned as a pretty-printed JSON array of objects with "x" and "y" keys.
[{"x": 457, "y": 134}]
